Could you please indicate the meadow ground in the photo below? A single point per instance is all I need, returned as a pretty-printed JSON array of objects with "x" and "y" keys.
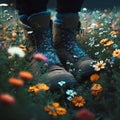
[{"x": 24, "y": 96}]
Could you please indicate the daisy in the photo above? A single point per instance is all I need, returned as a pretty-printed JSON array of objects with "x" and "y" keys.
[
  {"x": 99, "y": 65},
  {"x": 116, "y": 53}
]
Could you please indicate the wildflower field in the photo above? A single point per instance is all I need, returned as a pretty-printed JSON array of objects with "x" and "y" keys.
[{"x": 24, "y": 96}]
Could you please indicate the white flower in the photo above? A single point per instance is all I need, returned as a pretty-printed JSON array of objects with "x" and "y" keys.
[
  {"x": 84, "y": 9},
  {"x": 61, "y": 83},
  {"x": 69, "y": 97},
  {"x": 3, "y": 4},
  {"x": 99, "y": 65},
  {"x": 16, "y": 51},
  {"x": 71, "y": 92}
]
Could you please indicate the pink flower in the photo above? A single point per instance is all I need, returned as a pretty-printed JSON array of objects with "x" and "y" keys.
[
  {"x": 84, "y": 114},
  {"x": 40, "y": 56}
]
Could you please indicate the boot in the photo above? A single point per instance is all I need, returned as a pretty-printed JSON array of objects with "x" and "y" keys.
[
  {"x": 40, "y": 23},
  {"x": 65, "y": 28}
]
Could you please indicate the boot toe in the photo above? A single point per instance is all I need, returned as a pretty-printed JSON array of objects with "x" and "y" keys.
[
  {"x": 85, "y": 68},
  {"x": 59, "y": 78}
]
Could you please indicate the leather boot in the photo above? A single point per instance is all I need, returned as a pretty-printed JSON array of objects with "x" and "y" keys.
[
  {"x": 40, "y": 23},
  {"x": 65, "y": 28}
]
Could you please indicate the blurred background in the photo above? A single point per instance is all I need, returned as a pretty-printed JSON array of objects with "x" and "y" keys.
[{"x": 90, "y": 4}]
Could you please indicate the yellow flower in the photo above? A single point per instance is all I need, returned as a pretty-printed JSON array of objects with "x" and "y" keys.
[
  {"x": 96, "y": 89},
  {"x": 109, "y": 43},
  {"x": 116, "y": 53},
  {"x": 55, "y": 109},
  {"x": 103, "y": 40},
  {"x": 42, "y": 86},
  {"x": 38, "y": 87},
  {"x": 94, "y": 77},
  {"x": 78, "y": 101}
]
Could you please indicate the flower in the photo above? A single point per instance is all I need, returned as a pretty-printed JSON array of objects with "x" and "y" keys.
[
  {"x": 3, "y": 5},
  {"x": 61, "y": 83},
  {"x": 96, "y": 89},
  {"x": 99, "y": 65},
  {"x": 26, "y": 75},
  {"x": 71, "y": 92},
  {"x": 42, "y": 86},
  {"x": 78, "y": 101},
  {"x": 94, "y": 77},
  {"x": 103, "y": 15},
  {"x": 7, "y": 98},
  {"x": 40, "y": 56},
  {"x": 55, "y": 109},
  {"x": 23, "y": 47},
  {"x": 116, "y": 53},
  {"x": 103, "y": 40},
  {"x": 38, "y": 87},
  {"x": 109, "y": 43},
  {"x": 84, "y": 114},
  {"x": 16, "y": 82},
  {"x": 33, "y": 89},
  {"x": 113, "y": 32},
  {"x": 14, "y": 34},
  {"x": 16, "y": 51}
]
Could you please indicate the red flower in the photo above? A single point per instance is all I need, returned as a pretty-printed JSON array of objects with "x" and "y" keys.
[{"x": 84, "y": 114}]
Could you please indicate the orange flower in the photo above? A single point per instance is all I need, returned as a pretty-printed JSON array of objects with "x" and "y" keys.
[
  {"x": 78, "y": 101},
  {"x": 42, "y": 86},
  {"x": 33, "y": 89},
  {"x": 96, "y": 89},
  {"x": 16, "y": 82},
  {"x": 109, "y": 43},
  {"x": 14, "y": 34},
  {"x": 23, "y": 47},
  {"x": 26, "y": 75},
  {"x": 39, "y": 87},
  {"x": 55, "y": 109},
  {"x": 113, "y": 32},
  {"x": 7, "y": 98},
  {"x": 116, "y": 53},
  {"x": 94, "y": 77},
  {"x": 103, "y": 40},
  {"x": 61, "y": 111}
]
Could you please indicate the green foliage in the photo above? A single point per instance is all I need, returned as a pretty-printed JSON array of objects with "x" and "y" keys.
[{"x": 30, "y": 106}]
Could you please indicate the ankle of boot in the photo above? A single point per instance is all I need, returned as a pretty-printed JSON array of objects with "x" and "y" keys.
[
  {"x": 68, "y": 20},
  {"x": 39, "y": 20}
]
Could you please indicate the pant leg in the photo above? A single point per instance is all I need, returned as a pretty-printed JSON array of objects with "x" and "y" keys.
[
  {"x": 69, "y": 6},
  {"x": 29, "y": 7}
]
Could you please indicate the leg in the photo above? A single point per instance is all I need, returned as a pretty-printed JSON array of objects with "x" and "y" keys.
[
  {"x": 69, "y": 6},
  {"x": 65, "y": 29},
  {"x": 38, "y": 18},
  {"x": 29, "y": 7}
]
